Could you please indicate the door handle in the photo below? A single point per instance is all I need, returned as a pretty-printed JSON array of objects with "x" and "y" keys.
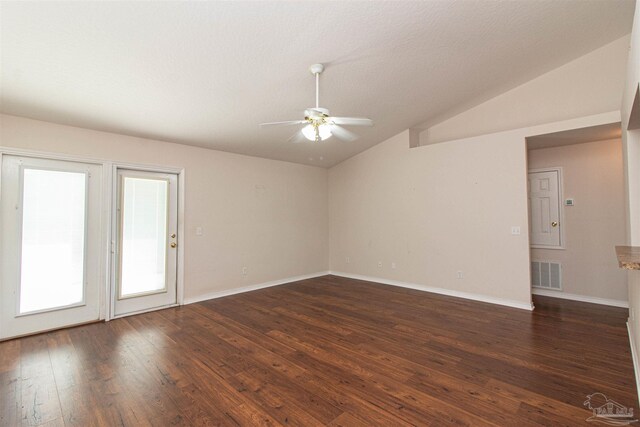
[
  {"x": 173, "y": 244},
  {"x": 554, "y": 224}
]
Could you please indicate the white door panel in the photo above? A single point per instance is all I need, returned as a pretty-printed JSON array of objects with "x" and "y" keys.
[
  {"x": 50, "y": 257},
  {"x": 544, "y": 209},
  {"x": 146, "y": 241}
]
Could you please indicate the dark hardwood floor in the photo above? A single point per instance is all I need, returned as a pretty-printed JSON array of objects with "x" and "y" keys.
[{"x": 325, "y": 351}]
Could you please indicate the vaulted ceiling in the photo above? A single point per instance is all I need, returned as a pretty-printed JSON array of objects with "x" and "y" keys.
[{"x": 207, "y": 73}]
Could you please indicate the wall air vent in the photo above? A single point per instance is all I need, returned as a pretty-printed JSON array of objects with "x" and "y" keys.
[{"x": 546, "y": 275}]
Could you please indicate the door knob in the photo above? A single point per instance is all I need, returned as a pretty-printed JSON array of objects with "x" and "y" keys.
[
  {"x": 173, "y": 244},
  {"x": 554, "y": 224}
]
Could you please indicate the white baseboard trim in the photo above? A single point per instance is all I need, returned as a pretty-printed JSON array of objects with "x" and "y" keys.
[
  {"x": 441, "y": 291},
  {"x": 581, "y": 298},
  {"x": 634, "y": 357},
  {"x": 227, "y": 292}
]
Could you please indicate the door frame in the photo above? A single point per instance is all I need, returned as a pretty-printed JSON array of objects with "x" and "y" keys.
[
  {"x": 558, "y": 170},
  {"x": 107, "y": 198},
  {"x": 113, "y": 235}
]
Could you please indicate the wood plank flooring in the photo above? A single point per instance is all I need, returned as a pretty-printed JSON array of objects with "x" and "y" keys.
[{"x": 326, "y": 351}]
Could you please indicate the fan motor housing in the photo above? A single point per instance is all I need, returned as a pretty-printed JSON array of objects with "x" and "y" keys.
[{"x": 315, "y": 112}]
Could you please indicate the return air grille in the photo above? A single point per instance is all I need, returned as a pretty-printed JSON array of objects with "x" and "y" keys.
[{"x": 546, "y": 275}]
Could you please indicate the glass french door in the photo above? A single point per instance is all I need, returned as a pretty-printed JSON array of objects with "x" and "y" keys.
[
  {"x": 50, "y": 255},
  {"x": 145, "y": 241}
]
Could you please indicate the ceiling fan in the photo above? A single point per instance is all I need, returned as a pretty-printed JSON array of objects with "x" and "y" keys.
[{"x": 319, "y": 125}]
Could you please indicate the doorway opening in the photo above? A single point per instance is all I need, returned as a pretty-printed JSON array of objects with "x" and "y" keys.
[{"x": 577, "y": 214}]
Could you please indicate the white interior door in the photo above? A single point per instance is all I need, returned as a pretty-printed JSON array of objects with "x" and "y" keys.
[
  {"x": 146, "y": 241},
  {"x": 50, "y": 245},
  {"x": 544, "y": 209}
]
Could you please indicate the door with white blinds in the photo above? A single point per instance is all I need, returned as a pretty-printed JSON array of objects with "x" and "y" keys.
[
  {"x": 145, "y": 242},
  {"x": 50, "y": 256}
]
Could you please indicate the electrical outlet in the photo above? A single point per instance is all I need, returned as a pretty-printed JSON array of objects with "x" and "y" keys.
[
  {"x": 460, "y": 274},
  {"x": 198, "y": 231},
  {"x": 348, "y": 260},
  {"x": 379, "y": 264},
  {"x": 515, "y": 230},
  {"x": 244, "y": 271},
  {"x": 393, "y": 265}
]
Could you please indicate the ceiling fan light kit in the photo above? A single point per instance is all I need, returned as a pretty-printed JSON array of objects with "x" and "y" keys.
[{"x": 319, "y": 125}]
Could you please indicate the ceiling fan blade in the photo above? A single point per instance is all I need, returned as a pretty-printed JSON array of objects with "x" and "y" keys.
[
  {"x": 351, "y": 121},
  {"x": 288, "y": 123},
  {"x": 298, "y": 138},
  {"x": 343, "y": 134}
]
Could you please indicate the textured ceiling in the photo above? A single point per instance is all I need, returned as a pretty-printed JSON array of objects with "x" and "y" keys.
[{"x": 207, "y": 73}]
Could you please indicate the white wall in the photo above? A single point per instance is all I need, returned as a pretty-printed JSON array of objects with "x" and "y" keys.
[
  {"x": 589, "y": 85},
  {"x": 631, "y": 150},
  {"x": 631, "y": 139},
  {"x": 593, "y": 175},
  {"x": 434, "y": 211},
  {"x": 439, "y": 209},
  {"x": 267, "y": 215}
]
